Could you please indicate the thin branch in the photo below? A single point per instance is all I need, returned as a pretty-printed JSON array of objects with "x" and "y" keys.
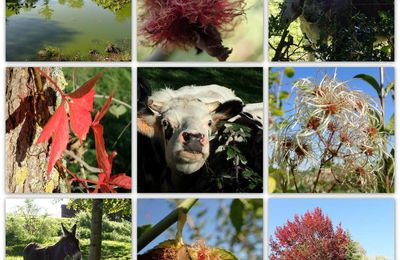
[
  {"x": 82, "y": 162},
  {"x": 114, "y": 100},
  {"x": 122, "y": 132},
  {"x": 294, "y": 177}
]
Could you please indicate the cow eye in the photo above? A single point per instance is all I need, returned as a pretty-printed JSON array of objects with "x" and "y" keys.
[{"x": 209, "y": 123}]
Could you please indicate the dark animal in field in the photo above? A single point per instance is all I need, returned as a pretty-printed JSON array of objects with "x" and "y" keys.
[
  {"x": 111, "y": 48},
  {"x": 333, "y": 19},
  {"x": 67, "y": 246},
  {"x": 175, "y": 134},
  {"x": 94, "y": 52}
]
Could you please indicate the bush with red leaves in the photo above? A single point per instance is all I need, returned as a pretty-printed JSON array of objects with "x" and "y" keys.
[
  {"x": 190, "y": 23},
  {"x": 311, "y": 237}
]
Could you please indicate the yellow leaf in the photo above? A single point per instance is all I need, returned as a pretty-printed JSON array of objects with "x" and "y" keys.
[
  {"x": 20, "y": 175},
  {"x": 271, "y": 184},
  {"x": 49, "y": 187}
]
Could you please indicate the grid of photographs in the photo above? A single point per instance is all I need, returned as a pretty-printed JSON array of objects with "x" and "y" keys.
[{"x": 199, "y": 130}]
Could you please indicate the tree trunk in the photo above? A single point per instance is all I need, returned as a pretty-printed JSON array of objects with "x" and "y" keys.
[
  {"x": 95, "y": 229},
  {"x": 28, "y": 108}
]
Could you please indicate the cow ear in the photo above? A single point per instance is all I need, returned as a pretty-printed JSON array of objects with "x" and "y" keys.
[
  {"x": 148, "y": 123},
  {"x": 73, "y": 231},
  {"x": 213, "y": 106},
  {"x": 155, "y": 106},
  {"x": 227, "y": 110},
  {"x": 64, "y": 230}
]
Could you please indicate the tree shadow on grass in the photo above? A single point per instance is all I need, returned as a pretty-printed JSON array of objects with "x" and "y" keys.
[{"x": 26, "y": 36}]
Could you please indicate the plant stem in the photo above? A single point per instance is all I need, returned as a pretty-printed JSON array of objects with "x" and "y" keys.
[
  {"x": 323, "y": 161},
  {"x": 294, "y": 177},
  {"x": 382, "y": 97},
  {"x": 165, "y": 223},
  {"x": 114, "y": 100},
  {"x": 52, "y": 82}
]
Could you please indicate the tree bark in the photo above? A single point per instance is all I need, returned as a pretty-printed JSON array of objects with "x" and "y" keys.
[
  {"x": 95, "y": 229},
  {"x": 27, "y": 110}
]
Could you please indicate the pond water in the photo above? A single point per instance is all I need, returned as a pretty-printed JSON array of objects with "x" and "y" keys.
[{"x": 75, "y": 27}]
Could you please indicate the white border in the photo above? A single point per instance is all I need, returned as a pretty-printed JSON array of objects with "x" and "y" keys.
[{"x": 134, "y": 64}]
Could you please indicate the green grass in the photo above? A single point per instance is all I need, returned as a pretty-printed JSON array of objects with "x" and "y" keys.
[
  {"x": 116, "y": 244},
  {"x": 247, "y": 82},
  {"x": 109, "y": 250}
]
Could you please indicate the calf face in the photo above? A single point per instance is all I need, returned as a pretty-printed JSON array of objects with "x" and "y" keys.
[{"x": 184, "y": 126}]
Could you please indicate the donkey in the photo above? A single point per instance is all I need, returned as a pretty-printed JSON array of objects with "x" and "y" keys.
[{"x": 68, "y": 246}]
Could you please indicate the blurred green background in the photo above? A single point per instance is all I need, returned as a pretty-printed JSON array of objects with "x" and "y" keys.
[{"x": 246, "y": 82}]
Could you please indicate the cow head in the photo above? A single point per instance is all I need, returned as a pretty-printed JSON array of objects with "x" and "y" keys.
[
  {"x": 290, "y": 10},
  {"x": 184, "y": 126}
]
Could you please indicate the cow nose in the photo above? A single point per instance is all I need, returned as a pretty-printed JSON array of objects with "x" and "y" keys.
[
  {"x": 193, "y": 142},
  {"x": 189, "y": 137}
]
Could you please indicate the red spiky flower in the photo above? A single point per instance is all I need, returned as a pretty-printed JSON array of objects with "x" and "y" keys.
[{"x": 190, "y": 23}]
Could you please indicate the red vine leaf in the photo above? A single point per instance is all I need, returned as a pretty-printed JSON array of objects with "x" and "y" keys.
[
  {"x": 121, "y": 180},
  {"x": 104, "y": 109},
  {"x": 79, "y": 113},
  {"x": 101, "y": 153},
  {"x": 85, "y": 88},
  {"x": 57, "y": 128},
  {"x": 102, "y": 176},
  {"x": 80, "y": 107}
]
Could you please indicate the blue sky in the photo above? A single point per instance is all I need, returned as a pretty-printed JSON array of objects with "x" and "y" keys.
[
  {"x": 343, "y": 74},
  {"x": 369, "y": 221},
  {"x": 150, "y": 211}
]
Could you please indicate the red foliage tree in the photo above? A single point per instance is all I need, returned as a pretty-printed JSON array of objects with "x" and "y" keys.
[{"x": 310, "y": 237}]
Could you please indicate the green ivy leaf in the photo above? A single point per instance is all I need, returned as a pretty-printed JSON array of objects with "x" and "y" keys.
[{"x": 117, "y": 110}]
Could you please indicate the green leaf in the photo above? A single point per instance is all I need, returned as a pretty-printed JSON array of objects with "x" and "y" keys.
[
  {"x": 370, "y": 80},
  {"x": 222, "y": 254},
  {"x": 390, "y": 125},
  {"x": 276, "y": 112},
  {"x": 230, "y": 152},
  {"x": 236, "y": 214},
  {"x": 142, "y": 229},
  {"x": 117, "y": 110},
  {"x": 389, "y": 88},
  {"x": 283, "y": 95}
]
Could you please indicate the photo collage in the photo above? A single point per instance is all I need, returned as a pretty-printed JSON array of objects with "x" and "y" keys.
[{"x": 199, "y": 130}]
